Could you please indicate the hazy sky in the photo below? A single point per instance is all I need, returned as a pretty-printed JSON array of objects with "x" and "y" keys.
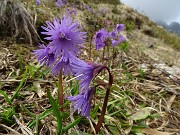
[{"x": 166, "y": 10}]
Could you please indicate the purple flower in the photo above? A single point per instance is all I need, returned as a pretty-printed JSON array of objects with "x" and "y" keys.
[
  {"x": 119, "y": 27},
  {"x": 88, "y": 8},
  {"x": 85, "y": 72},
  {"x": 82, "y": 103},
  {"x": 113, "y": 34},
  {"x": 59, "y": 3},
  {"x": 38, "y": 2},
  {"x": 64, "y": 64},
  {"x": 65, "y": 36},
  {"x": 114, "y": 43},
  {"x": 100, "y": 38},
  {"x": 44, "y": 55},
  {"x": 121, "y": 39},
  {"x": 103, "y": 10},
  {"x": 66, "y": 40}
]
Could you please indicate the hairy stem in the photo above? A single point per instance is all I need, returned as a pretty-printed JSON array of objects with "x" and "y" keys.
[{"x": 61, "y": 95}]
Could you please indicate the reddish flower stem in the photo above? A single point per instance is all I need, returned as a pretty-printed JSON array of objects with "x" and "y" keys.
[
  {"x": 113, "y": 53},
  {"x": 61, "y": 95},
  {"x": 101, "y": 118},
  {"x": 103, "y": 55}
]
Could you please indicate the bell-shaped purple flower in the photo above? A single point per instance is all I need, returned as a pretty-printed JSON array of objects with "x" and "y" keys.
[
  {"x": 100, "y": 38},
  {"x": 116, "y": 37},
  {"x": 85, "y": 72},
  {"x": 63, "y": 64},
  {"x": 59, "y": 3},
  {"x": 120, "y": 27},
  {"x": 38, "y": 2},
  {"x": 82, "y": 102},
  {"x": 65, "y": 36},
  {"x": 121, "y": 39},
  {"x": 44, "y": 55},
  {"x": 88, "y": 8},
  {"x": 114, "y": 43},
  {"x": 113, "y": 34}
]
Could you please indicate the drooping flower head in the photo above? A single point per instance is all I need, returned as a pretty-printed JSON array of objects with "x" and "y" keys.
[
  {"x": 116, "y": 37},
  {"x": 100, "y": 38},
  {"x": 65, "y": 36},
  {"x": 44, "y": 55},
  {"x": 88, "y": 8},
  {"x": 82, "y": 103},
  {"x": 59, "y": 3},
  {"x": 85, "y": 72},
  {"x": 63, "y": 64},
  {"x": 120, "y": 27},
  {"x": 66, "y": 39},
  {"x": 38, "y": 2},
  {"x": 113, "y": 34}
]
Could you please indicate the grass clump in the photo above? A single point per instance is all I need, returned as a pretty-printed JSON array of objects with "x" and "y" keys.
[{"x": 16, "y": 22}]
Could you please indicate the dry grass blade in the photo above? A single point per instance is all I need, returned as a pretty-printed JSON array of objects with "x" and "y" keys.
[
  {"x": 25, "y": 130},
  {"x": 10, "y": 129},
  {"x": 72, "y": 119},
  {"x": 150, "y": 131},
  {"x": 169, "y": 103}
]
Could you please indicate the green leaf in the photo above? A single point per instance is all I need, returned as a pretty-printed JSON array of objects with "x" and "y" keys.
[
  {"x": 5, "y": 96},
  {"x": 114, "y": 113},
  {"x": 141, "y": 114},
  {"x": 114, "y": 130},
  {"x": 57, "y": 113},
  {"x": 124, "y": 46},
  {"x": 30, "y": 113},
  {"x": 94, "y": 112},
  {"x": 20, "y": 85},
  {"x": 65, "y": 129},
  {"x": 41, "y": 116}
]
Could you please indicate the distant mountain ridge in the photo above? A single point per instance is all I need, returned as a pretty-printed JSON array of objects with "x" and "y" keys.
[{"x": 173, "y": 27}]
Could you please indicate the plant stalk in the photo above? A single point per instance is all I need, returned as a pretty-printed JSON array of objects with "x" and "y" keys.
[
  {"x": 113, "y": 57},
  {"x": 61, "y": 95},
  {"x": 108, "y": 86},
  {"x": 108, "y": 54},
  {"x": 103, "y": 55},
  {"x": 101, "y": 118}
]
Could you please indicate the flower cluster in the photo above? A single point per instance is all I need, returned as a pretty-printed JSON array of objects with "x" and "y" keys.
[
  {"x": 103, "y": 35},
  {"x": 100, "y": 38},
  {"x": 66, "y": 39}
]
